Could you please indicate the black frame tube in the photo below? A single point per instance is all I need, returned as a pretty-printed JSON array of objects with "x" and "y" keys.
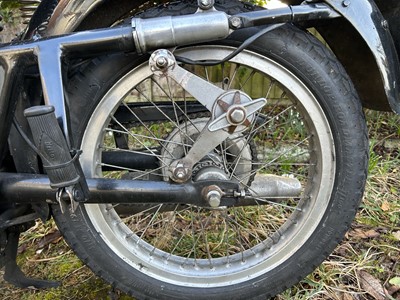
[
  {"x": 33, "y": 188},
  {"x": 288, "y": 14}
]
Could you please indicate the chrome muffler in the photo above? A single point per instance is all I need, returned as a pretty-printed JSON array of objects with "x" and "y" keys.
[{"x": 166, "y": 32}]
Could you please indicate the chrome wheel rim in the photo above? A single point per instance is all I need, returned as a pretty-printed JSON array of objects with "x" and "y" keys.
[{"x": 255, "y": 259}]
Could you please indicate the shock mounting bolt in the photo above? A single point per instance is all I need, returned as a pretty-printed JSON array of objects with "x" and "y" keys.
[
  {"x": 205, "y": 4},
  {"x": 235, "y": 22}
]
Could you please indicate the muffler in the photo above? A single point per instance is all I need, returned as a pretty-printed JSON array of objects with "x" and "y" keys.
[
  {"x": 167, "y": 32},
  {"x": 275, "y": 187}
]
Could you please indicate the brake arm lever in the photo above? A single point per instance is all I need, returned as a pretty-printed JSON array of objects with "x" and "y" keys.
[
  {"x": 163, "y": 63},
  {"x": 232, "y": 111}
]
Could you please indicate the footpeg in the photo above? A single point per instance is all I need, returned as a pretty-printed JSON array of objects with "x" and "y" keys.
[{"x": 63, "y": 170}]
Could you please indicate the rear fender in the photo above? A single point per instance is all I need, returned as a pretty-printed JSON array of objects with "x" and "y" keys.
[
  {"x": 364, "y": 45},
  {"x": 72, "y": 15}
]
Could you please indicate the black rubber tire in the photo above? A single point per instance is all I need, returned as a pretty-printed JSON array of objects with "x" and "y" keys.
[{"x": 319, "y": 70}]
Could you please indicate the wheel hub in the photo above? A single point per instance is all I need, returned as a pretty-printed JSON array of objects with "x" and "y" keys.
[
  {"x": 210, "y": 168},
  {"x": 233, "y": 160}
]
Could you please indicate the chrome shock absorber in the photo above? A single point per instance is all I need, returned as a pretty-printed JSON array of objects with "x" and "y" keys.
[{"x": 27, "y": 9}]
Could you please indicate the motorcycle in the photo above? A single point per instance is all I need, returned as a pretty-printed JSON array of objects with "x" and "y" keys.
[{"x": 192, "y": 149}]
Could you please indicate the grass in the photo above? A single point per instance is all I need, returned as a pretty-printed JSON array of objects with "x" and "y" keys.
[{"x": 366, "y": 260}]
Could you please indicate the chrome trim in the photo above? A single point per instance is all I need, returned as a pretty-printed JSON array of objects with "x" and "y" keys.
[
  {"x": 69, "y": 14},
  {"x": 49, "y": 52}
]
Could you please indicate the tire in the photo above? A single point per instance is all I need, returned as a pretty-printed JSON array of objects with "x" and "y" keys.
[{"x": 312, "y": 128}]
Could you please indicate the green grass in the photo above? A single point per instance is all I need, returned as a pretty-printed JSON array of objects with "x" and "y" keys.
[{"x": 372, "y": 245}]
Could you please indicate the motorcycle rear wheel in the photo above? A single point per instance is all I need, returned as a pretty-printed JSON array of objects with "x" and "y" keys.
[{"x": 312, "y": 128}]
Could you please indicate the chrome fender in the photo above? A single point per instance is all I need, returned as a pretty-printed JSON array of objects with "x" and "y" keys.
[{"x": 69, "y": 14}]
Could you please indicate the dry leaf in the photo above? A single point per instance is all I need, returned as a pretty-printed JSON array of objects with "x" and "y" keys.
[
  {"x": 361, "y": 234},
  {"x": 393, "y": 289},
  {"x": 397, "y": 235},
  {"x": 346, "y": 296},
  {"x": 372, "y": 285},
  {"x": 385, "y": 206},
  {"x": 49, "y": 238}
]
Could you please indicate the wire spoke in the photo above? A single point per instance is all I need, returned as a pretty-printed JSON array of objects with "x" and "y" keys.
[{"x": 191, "y": 238}]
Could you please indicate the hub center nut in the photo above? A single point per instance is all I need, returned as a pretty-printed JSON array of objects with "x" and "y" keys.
[{"x": 237, "y": 115}]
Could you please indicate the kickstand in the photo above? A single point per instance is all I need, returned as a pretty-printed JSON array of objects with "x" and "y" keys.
[{"x": 13, "y": 273}]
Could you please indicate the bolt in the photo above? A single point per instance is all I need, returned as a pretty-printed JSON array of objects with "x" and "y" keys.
[
  {"x": 385, "y": 24},
  {"x": 214, "y": 198},
  {"x": 162, "y": 62},
  {"x": 205, "y": 4},
  {"x": 77, "y": 195},
  {"x": 346, "y": 3},
  {"x": 238, "y": 116},
  {"x": 180, "y": 173},
  {"x": 236, "y": 22}
]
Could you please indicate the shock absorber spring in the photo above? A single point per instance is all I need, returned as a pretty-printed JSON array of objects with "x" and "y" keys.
[{"x": 27, "y": 9}]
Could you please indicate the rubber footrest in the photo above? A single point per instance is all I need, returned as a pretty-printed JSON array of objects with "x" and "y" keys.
[{"x": 52, "y": 146}]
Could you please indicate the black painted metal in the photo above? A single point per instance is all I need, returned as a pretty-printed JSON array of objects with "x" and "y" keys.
[
  {"x": 300, "y": 13},
  {"x": 124, "y": 159},
  {"x": 148, "y": 112},
  {"x": 31, "y": 188}
]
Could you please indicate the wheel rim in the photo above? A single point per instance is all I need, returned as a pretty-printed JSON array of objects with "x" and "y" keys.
[{"x": 274, "y": 232}]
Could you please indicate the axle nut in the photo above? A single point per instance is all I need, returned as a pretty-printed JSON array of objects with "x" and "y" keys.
[{"x": 214, "y": 198}]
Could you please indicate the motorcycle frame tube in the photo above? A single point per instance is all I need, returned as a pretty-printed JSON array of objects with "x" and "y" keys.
[
  {"x": 48, "y": 53},
  {"x": 33, "y": 188}
]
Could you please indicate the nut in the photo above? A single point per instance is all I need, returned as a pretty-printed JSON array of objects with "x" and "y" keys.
[{"x": 237, "y": 116}]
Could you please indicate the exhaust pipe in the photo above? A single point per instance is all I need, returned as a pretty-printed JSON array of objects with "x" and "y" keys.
[{"x": 275, "y": 187}]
